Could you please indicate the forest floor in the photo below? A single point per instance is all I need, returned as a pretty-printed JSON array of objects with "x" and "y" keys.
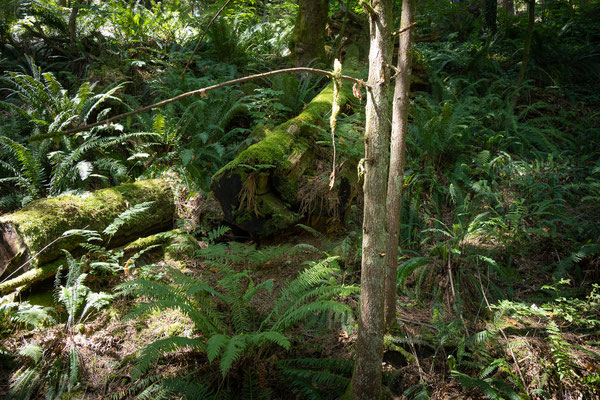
[{"x": 418, "y": 350}]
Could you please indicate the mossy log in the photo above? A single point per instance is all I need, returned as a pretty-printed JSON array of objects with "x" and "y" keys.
[
  {"x": 46, "y": 271},
  {"x": 32, "y": 276},
  {"x": 258, "y": 190},
  {"x": 29, "y": 233}
]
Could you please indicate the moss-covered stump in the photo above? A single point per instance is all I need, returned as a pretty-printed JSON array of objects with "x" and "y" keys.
[
  {"x": 258, "y": 190},
  {"x": 30, "y": 232}
]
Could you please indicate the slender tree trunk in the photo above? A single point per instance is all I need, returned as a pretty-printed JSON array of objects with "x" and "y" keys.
[
  {"x": 491, "y": 14},
  {"x": 366, "y": 380},
  {"x": 73, "y": 23},
  {"x": 309, "y": 33},
  {"x": 397, "y": 159},
  {"x": 526, "y": 49},
  {"x": 509, "y": 7}
]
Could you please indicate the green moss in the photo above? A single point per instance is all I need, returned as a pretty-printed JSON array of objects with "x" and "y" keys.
[
  {"x": 280, "y": 216},
  {"x": 159, "y": 238},
  {"x": 287, "y": 148},
  {"x": 33, "y": 275},
  {"x": 289, "y": 138},
  {"x": 44, "y": 220}
]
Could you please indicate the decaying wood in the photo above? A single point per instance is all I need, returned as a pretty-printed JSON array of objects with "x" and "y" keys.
[
  {"x": 32, "y": 276},
  {"x": 29, "y": 236},
  {"x": 48, "y": 270},
  {"x": 258, "y": 190}
]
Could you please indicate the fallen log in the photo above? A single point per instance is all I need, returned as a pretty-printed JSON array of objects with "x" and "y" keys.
[
  {"x": 258, "y": 190},
  {"x": 46, "y": 271},
  {"x": 29, "y": 236},
  {"x": 32, "y": 276}
]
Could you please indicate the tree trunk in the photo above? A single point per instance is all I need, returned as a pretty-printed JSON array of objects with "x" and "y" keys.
[
  {"x": 366, "y": 379},
  {"x": 29, "y": 231},
  {"x": 397, "y": 159},
  {"x": 259, "y": 190},
  {"x": 526, "y": 49},
  {"x": 509, "y": 7},
  {"x": 491, "y": 14},
  {"x": 308, "y": 41},
  {"x": 73, "y": 24}
]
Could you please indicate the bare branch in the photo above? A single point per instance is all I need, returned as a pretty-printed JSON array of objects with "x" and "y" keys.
[
  {"x": 201, "y": 92},
  {"x": 202, "y": 37},
  {"x": 399, "y": 31}
]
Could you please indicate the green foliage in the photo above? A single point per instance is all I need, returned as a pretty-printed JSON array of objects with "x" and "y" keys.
[
  {"x": 496, "y": 378},
  {"x": 32, "y": 316},
  {"x": 196, "y": 133},
  {"x": 37, "y": 159},
  {"x": 55, "y": 370},
  {"x": 231, "y": 330},
  {"x": 316, "y": 378}
]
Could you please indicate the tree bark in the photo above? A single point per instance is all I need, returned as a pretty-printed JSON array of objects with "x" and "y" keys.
[
  {"x": 526, "y": 49},
  {"x": 397, "y": 159},
  {"x": 308, "y": 41},
  {"x": 366, "y": 379},
  {"x": 74, "y": 4},
  {"x": 491, "y": 14},
  {"x": 509, "y": 7},
  {"x": 35, "y": 228}
]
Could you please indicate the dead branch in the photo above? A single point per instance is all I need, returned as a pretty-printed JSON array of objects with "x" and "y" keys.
[
  {"x": 202, "y": 37},
  {"x": 201, "y": 92}
]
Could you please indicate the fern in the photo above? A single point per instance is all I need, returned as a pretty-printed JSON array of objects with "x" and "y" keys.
[
  {"x": 152, "y": 352},
  {"x": 33, "y": 316},
  {"x": 559, "y": 351},
  {"x": 493, "y": 389},
  {"x": 128, "y": 216},
  {"x": 313, "y": 378},
  {"x": 231, "y": 331}
]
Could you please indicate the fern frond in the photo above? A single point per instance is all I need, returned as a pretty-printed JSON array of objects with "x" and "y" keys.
[
  {"x": 132, "y": 214},
  {"x": 155, "y": 350},
  {"x": 275, "y": 337},
  {"x": 293, "y": 317},
  {"x": 32, "y": 351},
  {"x": 233, "y": 351},
  {"x": 214, "y": 345},
  {"x": 34, "y": 315}
]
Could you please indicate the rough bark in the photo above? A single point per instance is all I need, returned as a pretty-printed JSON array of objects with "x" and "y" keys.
[
  {"x": 308, "y": 41},
  {"x": 366, "y": 379},
  {"x": 526, "y": 49},
  {"x": 397, "y": 159},
  {"x": 30, "y": 230},
  {"x": 74, "y": 4},
  {"x": 509, "y": 7},
  {"x": 258, "y": 190}
]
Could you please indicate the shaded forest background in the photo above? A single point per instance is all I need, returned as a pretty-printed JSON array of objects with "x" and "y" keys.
[{"x": 181, "y": 289}]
